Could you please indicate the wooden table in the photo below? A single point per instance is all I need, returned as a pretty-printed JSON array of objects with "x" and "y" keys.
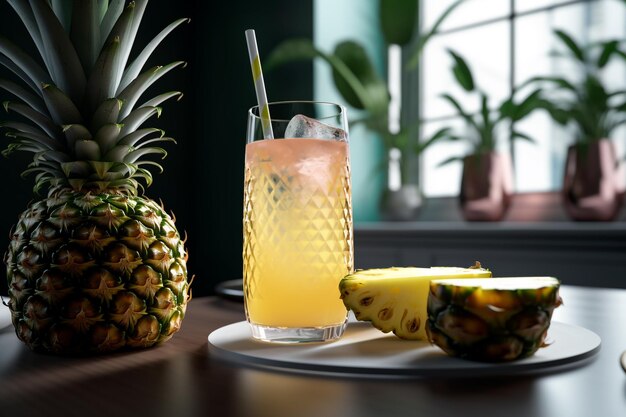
[{"x": 181, "y": 379}]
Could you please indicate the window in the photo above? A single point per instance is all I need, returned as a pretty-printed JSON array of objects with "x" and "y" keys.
[{"x": 505, "y": 43}]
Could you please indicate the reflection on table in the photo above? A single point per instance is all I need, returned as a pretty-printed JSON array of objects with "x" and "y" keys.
[{"x": 182, "y": 378}]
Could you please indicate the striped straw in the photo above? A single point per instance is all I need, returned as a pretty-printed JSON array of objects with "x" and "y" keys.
[{"x": 259, "y": 84}]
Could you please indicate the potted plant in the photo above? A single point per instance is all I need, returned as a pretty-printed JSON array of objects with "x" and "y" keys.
[
  {"x": 363, "y": 88},
  {"x": 592, "y": 182},
  {"x": 487, "y": 176}
]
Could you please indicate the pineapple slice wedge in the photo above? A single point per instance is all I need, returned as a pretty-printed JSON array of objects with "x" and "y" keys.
[
  {"x": 394, "y": 299},
  {"x": 494, "y": 320}
]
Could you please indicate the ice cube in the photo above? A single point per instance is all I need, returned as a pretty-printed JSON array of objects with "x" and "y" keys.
[{"x": 301, "y": 126}]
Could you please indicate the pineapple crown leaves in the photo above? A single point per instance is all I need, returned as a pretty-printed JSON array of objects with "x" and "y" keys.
[{"x": 80, "y": 99}]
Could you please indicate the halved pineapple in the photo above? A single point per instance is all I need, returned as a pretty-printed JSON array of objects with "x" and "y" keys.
[
  {"x": 498, "y": 319},
  {"x": 394, "y": 299}
]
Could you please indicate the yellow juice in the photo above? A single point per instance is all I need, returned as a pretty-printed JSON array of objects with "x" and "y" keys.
[{"x": 297, "y": 232}]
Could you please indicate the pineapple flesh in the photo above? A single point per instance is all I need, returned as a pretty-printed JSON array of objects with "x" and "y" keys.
[
  {"x": 494, "y": 320},
  {"x": 94, "y": 265},
  {"x": 394, "y": 299}
]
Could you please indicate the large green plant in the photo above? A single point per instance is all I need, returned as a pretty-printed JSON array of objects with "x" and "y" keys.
[
  {"x": 482, "y": 129},
  {"x": 585, "y": 101},
  {"x": 357, "y": 80}
]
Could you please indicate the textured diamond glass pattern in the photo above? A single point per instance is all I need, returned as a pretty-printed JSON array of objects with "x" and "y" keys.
[{"x": 297, "y": 231}]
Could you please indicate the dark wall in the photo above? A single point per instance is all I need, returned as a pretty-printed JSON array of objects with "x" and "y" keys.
[{"x": 202, "y": 182}]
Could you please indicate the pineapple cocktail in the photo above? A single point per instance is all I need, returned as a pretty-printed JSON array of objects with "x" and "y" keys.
[{"x": 297, "y": 227}]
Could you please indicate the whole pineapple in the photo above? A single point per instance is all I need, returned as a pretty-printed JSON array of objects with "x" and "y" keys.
[
  {"x": 94, "y": 266},
  {"x": 494, "y": 320}
]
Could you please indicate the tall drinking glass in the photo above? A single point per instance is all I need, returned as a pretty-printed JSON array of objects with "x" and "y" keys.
[{"x": 297, "y": 223}]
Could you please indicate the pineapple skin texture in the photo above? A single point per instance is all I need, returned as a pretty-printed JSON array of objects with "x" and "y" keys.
[
  {"x": 92, "y": 273},
  {"x": 490, "y": 325},
  {"x": 394, "y": 299}
]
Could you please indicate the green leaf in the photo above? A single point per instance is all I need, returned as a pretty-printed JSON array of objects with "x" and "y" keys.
[
  {"x": 573, "y": 47},
  {"x": 303, "y": 49},
  {"x": 531, "y": 103},
  {"x": 107, "y": 113},
  {"x": 25, "y": 12},
  {"x": 127, "y": 169},
  {"x": 102, "y": 82},
  {"x": 22, "y": 127},
  {"x": 63, "y": 11},
  {"x": 131, "y": 94},
  {"x": 608, "y": 50},
  {"x": 486, "y": 132},
  {"x": 292, "y": 50},
  {"x": 101, "y": 168},
  {"x": 134, "y": 156},
  {"x": 560, "y": 83},
  {"x": 128, "y": 36},
  {"x": 425, "y": 37},
  {"x": 61, "y": 108},
  {"x": 103, "y": 7},
  {"x": 34, "y": 116},
  {"x": 441, "y": 134},
  {"x": 117, "y": 153},
  {"x": 355, "y": 57},
  {"x": 467, "y": 117},
  {"x": 162, "y": 98},
  {"x": 132, "y": 138},
  {"x": 596, "y": 93},
  {"x": 14, "y": 147},
  {"x": 85, "y": 32},
  {"x": 146, "y": 175},
  {"x": 29, "y": 70},
  {"x": 87, "y": 150},
  {"x": 121, "y": 151},
  {"x": 136, "y": 118},
  {"x": 137, "y": 65},
  {"x": 398, "y": 20},
  {"x": 507, "y": 109},
  {"x": 53, "y": 156},
  {"x": 21, "y": 93},
  {"x": 152, "y": 163},
  {"x": 107, "y": 136},
  {"x": 519, "y": 135},
  {"x": 45, "y": 141},
  {"x": 68, "y": 72},
  {"x": 559, "y": 115},
  {"x": 450, "y": 160},
  {"x": 112, "y": 15},
  {"x": 123, "y": 32},
  {"x": 154, "y": 140},
  {"x": 76, "y": 168},
  {"x": 75, "y": 133},
  {"x": 484, "y": 109},
  {"x": 43, "y": 170},
  {"x": 462, "y": 72}
]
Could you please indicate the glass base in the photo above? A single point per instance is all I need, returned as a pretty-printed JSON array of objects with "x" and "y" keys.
[{"x": 297, "y": 334}]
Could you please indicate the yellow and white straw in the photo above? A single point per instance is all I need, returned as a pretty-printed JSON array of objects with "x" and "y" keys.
[{"x": 259, "y": 84}]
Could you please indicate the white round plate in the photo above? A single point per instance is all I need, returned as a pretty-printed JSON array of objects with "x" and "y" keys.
[
  {"x": 366, "y": 351},
  {"x": 5, "y": 315},
  {"x": 231, "y": 289}
]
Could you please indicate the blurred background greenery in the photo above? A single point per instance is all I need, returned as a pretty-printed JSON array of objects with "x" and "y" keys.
[{"x": 505, "y": 42}]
